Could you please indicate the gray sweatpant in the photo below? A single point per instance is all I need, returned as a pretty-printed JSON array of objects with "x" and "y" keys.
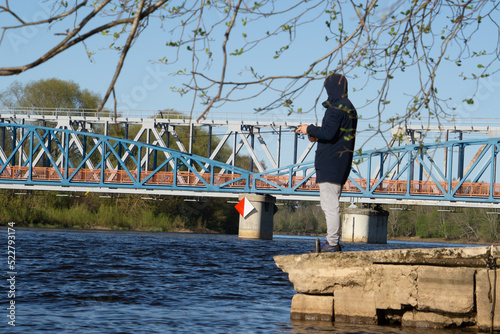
[{"x": 329, "y": 195}]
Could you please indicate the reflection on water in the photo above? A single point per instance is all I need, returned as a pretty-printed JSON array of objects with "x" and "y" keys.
[
  {"x": 140, "y": 282},
  {"x": 308, "y": 327}
]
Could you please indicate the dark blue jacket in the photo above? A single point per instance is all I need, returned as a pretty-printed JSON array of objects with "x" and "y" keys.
[{"x": 336, "y": 135}]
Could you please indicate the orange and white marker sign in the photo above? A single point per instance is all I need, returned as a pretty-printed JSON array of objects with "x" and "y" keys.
[{"x": 244, "y": 207}]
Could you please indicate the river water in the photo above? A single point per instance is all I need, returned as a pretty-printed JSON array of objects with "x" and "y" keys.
[{"x": 92, "y": 281}]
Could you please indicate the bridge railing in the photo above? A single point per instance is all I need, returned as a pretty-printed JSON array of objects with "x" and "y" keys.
[
  {"x": 53, "y": 113},
  {"x": 188, "y": 179}
]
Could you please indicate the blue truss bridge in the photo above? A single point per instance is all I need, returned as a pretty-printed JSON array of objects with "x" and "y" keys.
[{"x": 70, "y": 156}]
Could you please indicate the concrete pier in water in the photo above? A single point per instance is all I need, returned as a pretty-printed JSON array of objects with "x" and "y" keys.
[
  {"x": 259, "y": 223},
  {"x": 431, "y": 288},
  {"x": 364, "y": 225}
]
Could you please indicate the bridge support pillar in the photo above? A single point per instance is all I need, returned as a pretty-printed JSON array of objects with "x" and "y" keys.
[
  {"x": 258, "y": 224},
  {"x": 365, "y": 225}
]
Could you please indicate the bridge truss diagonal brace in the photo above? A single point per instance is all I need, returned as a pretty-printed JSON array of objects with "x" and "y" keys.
[
  {"x": 236, "y": 148},
  {"x": 3, "y": 157},
  {"x": 221, "y": 144},
  {"x": 432, "y": 176},
  {"x": 149, "y": 127},
  {"x": 263, "y": 144},
  {"x": 160, "y": 142},
  {"x": 66, "y": 124},
  {"x": 246, "y": 132},
  {"x": 250, "y": 149},
  {"x": 22, "y": 155},
  {"x": 17, "y": 148},
  {"x": 474, "y": 163},
  {"x": 244, "y": 135}
]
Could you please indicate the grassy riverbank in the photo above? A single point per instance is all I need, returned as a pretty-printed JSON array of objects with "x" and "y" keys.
[
  {"x": 125, "y": 212},
  {"x": 216, "y": 215}
]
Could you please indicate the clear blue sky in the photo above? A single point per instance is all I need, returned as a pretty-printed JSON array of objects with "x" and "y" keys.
[{"x": 146, "y": 85}]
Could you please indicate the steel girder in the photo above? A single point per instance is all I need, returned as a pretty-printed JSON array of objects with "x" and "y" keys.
[
  {"x": 407, "y": 172},
  {"x": 66, "y": 158},
  {"x": 249, "y": 136},
  {"x": 50, "y": 156}
]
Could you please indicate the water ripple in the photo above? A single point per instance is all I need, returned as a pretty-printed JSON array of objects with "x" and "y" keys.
[{"x": 138, "y": 282}]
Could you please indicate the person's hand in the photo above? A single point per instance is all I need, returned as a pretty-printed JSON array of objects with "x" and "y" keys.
[{"x": 302, "y": 128}]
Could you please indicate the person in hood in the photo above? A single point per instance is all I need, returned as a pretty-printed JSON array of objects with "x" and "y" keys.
[{"x": 335, "y": 146}]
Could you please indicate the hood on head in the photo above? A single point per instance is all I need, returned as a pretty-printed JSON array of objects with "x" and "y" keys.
[{"x": 336, "y": 87}]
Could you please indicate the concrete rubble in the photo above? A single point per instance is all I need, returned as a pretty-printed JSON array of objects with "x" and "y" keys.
[{"x": 431, "y": 288}]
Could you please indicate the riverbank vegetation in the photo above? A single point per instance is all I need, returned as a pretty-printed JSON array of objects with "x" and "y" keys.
[
  {"x": 124, "y": 212},
  {"x": 218, "y": 215}
]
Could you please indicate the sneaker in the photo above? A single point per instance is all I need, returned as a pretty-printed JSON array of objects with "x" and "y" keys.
[
  {"x": 327, "y": 248},
  {"x": 324, "y": 246}
]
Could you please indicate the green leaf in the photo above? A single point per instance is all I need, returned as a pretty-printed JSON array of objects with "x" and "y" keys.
[
  {"x": 237, "y": 52},
  {"x": 175, "y": 44}
]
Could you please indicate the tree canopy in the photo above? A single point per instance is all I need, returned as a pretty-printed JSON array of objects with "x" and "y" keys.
[
  {"x": 49, "y": 93},
  {"x": 391, "y": 47}
]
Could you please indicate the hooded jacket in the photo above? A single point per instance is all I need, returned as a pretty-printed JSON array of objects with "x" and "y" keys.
[{"x": 336, "y": 135}]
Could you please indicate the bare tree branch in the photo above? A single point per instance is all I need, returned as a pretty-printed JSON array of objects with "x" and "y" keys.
[
  {"x": 63, "y": 45},
  {"x": 374, "y": 43},
  {"x": 224, "y": 65},
  {"x": 124, "y": 54},
  {"x": 69, "y": 41},
  {"x": 49, "y": 20}
]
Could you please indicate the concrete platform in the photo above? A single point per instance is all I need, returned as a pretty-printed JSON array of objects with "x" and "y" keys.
[{"x": 431, "y": 288}]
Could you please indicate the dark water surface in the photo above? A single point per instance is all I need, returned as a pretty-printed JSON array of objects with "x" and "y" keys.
[{"x": 138, "y": 282}]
